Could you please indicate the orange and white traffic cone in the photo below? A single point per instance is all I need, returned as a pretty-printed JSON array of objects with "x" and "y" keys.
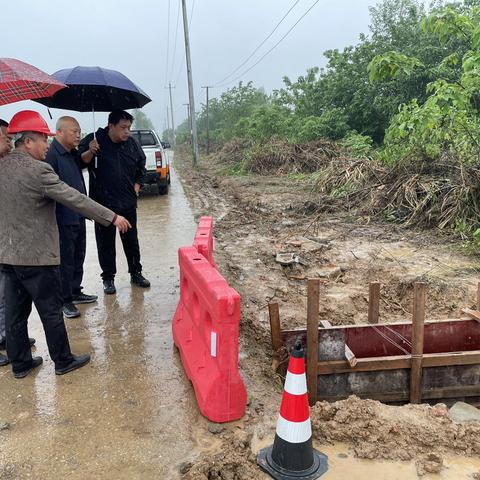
[{"x": 292, "y": 456}]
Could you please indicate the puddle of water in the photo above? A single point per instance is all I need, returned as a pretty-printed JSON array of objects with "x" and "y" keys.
[{"x": 342, "y": 465}]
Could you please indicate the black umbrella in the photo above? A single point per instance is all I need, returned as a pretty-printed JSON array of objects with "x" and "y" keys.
[{"x": 95, "y": 89}]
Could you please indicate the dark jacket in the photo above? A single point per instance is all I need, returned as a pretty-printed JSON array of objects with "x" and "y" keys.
[
  {"x": 29, "y": 189},
  {"x": 114, "y": 172},
  {"x": 68, "y": 166}
]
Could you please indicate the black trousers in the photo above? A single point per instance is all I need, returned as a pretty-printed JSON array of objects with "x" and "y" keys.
[
  {"x": 42, "y": 285},
  {"x": 105, "y": 237},
  {"x": 73, "y": 243}
]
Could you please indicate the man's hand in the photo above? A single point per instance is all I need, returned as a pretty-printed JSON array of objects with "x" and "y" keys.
[
  {"x": 94, "y": 146},
  {"x": 122, "y": 224},
  {"x": 137, "y": 187}
]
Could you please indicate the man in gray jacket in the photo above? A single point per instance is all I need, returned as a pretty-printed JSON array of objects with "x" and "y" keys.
[
  {"x": 29, "y": 244},
  {"x": 5, "y": 147}
]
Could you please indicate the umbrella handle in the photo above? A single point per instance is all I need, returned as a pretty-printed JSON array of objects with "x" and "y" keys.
[{"x": 94, "y": 134}]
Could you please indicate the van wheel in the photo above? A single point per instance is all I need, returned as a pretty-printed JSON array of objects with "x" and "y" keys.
[{"x": 162, "y": 189}]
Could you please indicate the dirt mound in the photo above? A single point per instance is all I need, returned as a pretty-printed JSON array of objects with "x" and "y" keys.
[
  {"x": 378, "y": 431},
  {"x": 235, "y": 462}
]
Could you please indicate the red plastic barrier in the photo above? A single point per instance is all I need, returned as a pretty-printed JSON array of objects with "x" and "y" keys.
[
  {"x": 203, "y": 240},
  {"x": 205, "y": 330}
]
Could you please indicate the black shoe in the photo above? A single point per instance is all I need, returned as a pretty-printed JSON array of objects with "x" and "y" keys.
[
  {"x": 4, "y": 360},
  {"x": 77, "y": 362},
  {"x": 140, "y": 280},
  {"x": 83, "y": 298},
  {"x": 70, "y": 310},
  {"x": 109, "y": 287},
  {"x": 3, "y": 343},
  {"x": 36, "y": 362}
]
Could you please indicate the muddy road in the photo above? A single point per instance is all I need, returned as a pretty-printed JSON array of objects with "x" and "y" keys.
[{"x": 131, "y": 412}]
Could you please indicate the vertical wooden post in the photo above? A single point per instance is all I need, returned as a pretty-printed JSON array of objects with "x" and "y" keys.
[
  {"x": 313, "y": 311},
  {"x": 417, "y": 342},
  {"x": 373, "y": 302},
  {"x": 275, "y": 328},
  {"x": 478, "y": 297}
]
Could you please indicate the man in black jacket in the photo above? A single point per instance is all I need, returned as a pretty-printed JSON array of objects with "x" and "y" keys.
[
  {"x": 116, "y": 165},
  {"x": 65, "y": 160}
]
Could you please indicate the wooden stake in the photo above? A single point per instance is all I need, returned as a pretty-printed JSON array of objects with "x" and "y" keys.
[
  {"x": 417, "y": 342},
  {"x": 373, "y": 302},
  {"x": 350, "y": 356},
  {"x": 478, "y": 296},
  {"x": 275, "y": 328},
  {"x": 474, "y": 314},
  {"x": 313, "y": 311}
]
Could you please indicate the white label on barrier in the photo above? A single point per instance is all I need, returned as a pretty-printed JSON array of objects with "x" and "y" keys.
[{"x": 213, "y": 344}]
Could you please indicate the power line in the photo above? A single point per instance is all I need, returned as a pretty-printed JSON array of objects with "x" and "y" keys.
[
  {"x": 259, "y": 46},
  {"x": 175, "y": 43},
  {"x": 168, "y": 44},
  {"x": 263, "y": 56}
]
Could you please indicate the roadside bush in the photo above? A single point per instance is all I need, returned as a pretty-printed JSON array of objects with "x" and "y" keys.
[
  {"x": 266, "y": 122},
  {"x": 360, "y": 146},
  {"x": 331, "y": 124}
]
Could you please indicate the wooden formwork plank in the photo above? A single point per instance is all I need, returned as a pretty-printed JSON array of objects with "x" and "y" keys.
[
  {"x": 275, "y": 328},
  {"x": 430, "y": 394},
  {"x": 373, "y": 302},
  {"x": 474, "y": 314},
  {"x": 313, "y": 311},
  {"x": 418, "y": 330},
  {"x": 399, "y": 361}
]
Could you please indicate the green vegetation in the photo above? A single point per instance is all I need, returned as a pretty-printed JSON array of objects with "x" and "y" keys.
[{"x": 401, "y": 108}]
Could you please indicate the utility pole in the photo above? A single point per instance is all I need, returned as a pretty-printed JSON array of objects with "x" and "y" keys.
[
  {"x": 171, "y": 113},
  {"x": 196, "y": 156},
  {"x": 189, "y": 118},
  {"x": 208, "y": 126}
]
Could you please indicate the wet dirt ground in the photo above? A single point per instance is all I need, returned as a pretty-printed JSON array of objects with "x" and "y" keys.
[
  {"x": 131, "y": 412},
  {"x": 257, "y": 217}
]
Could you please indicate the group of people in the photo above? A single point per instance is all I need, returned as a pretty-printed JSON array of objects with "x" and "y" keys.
[{"x": 44, "y": 204}]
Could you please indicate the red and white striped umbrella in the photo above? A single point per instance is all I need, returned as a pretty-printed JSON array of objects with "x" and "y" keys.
[{"x": 21, "y": 81}]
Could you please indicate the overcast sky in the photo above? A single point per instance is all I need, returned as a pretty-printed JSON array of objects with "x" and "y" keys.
[{"x": 132, "y": 37}]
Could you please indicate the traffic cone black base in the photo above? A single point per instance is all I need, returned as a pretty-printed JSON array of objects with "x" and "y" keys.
[
  {"x": 292, "y": 457},
  {"x": 266, "y": 463}
]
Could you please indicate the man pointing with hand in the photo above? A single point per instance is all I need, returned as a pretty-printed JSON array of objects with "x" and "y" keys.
[{"x": 29, "y": 244}]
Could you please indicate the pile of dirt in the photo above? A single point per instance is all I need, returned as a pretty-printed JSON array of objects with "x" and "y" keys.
[
  {"x": 378, "y": 431},
  {"x": 235, "y": 462}
]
